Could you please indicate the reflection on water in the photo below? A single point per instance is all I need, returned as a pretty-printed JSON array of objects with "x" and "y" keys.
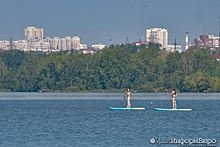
[{"x": 94, "y": 95}]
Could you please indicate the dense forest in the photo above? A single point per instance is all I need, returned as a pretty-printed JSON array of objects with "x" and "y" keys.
[{"x": 141, "y": 68}]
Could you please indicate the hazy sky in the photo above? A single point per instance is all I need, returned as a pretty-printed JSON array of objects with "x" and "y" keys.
[{"x": 109, "y": 21}]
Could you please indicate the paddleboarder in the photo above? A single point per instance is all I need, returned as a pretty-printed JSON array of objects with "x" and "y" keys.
[
  {"x": 174, "y": 95},
  {"x": 125, "y": 97},
  {"x": 166, "y": 91},
  {"x": 128, "y": 98}
]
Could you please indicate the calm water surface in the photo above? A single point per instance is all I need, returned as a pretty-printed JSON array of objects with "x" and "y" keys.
[{"x": 83, "y": 119}]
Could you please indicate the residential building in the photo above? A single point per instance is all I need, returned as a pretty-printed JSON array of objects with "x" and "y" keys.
[
  {"x": 68, "y": 43},
  {"x": 21, "y": 45},
  {"x": 55, "y": 43},
  {"x": 210, "y": 41},
  {"x": 4, "y": 45},
  {"x": 157, "y": 35},
  {"x": 33, "y": 33},
  {"x": 83, "y": 46},
  {"x": 75, "y": 43},
  {"x": 99, "y": 46},
  {"x": 216, "y": 56},
  {"x": 65, "y": 43},
  {"x": 174, "y": 48},
  {"x": 40, "y": 46}
]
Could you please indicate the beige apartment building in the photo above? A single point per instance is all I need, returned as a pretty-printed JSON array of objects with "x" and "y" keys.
[
  {"x": 40, "y": 46},
  {"x": 33, "y": 33},
  {"x": 21, "y": 45},
  {"x": 63, "y": 44},
  {"x": 35, "y": 41},
  {"x": 75, "y": 43},
  {"x": 4, "y": 45}
]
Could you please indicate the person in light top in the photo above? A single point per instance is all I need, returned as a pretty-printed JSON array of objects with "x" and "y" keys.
[
  {"x": 128, "y": 98},
  {"x": 174, "y": 95}
]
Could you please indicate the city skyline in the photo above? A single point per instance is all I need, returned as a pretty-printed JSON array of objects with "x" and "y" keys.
[{"x": 110, "y": 22}]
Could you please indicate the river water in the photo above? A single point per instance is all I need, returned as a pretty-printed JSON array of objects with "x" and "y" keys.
[{"x": 84, "y": 119}]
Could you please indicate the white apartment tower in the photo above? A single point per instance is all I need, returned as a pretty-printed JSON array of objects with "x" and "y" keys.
[
  {"x": 33, "y": 33},
  {"x": 157, "y": 35},
  {"x": 76, "y": 43}
]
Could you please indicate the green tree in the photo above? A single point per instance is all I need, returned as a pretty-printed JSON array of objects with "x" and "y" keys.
[
  {"x": 215, "y": 85},
  {"x": 198, "y": 82}
]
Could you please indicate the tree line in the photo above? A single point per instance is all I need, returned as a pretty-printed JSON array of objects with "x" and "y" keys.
[{"x": 140, "y": 68}]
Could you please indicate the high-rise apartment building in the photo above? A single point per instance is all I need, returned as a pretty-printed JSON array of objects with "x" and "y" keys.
[
  {"x": 55, "y": 43},
  {"x": 157, "y": 35},
  {"x": 33, "y": 33},
  {"x": 62, "y": 44},
  {"x": 76, "y": 43},
  {"x": 210, "y": 41}
]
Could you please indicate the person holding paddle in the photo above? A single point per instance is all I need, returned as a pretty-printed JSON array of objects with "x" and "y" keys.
[
  {"x": 174, "y": 95},
  {"x": 128, "y": 93},
  {"x": 125, "y": 97}
]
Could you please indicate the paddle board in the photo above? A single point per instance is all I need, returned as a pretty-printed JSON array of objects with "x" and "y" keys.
[
  {"x": 113, "y": 108},
  {"x": 167, "y": 109}
]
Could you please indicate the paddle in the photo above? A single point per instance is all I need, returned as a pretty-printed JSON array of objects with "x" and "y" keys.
[
  {"x": 177, "y": 103},
  {"x": 125, "y": 95}
]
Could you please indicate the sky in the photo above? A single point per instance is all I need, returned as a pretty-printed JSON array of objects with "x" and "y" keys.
[{"x": 110, "y": 21}]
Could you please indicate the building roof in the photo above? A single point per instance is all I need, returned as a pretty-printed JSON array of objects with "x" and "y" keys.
[{"x": 216, "y": 55}]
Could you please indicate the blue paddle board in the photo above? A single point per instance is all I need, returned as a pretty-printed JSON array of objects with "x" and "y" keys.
[
  {"x": 113, "y": 108},
  {"x": 167, "y": 109}
]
